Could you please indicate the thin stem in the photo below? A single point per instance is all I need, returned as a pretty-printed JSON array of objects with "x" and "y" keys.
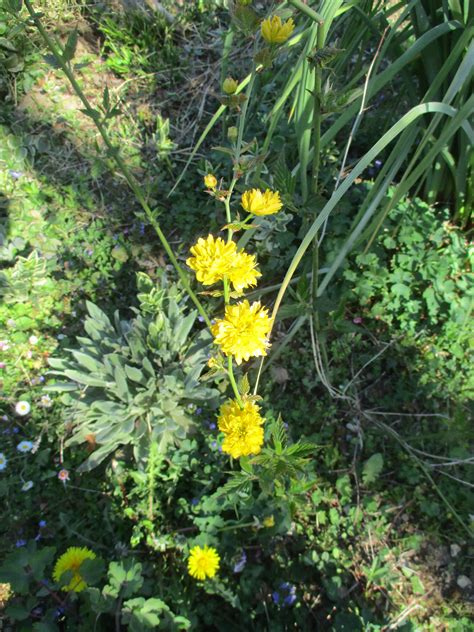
[
  {"x": 234, "y": 383},
  {"x": 315, "y": 178},
  {"x": 114, "y": 152},
  {"x": 243, "y": 116},
  {"x": 317, "y": 113}
]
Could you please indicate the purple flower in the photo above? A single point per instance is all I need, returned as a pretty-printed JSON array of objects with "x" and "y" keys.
[
  {"x": 378, "y": 163},
  {"x": 239, "y": 566},
  {"x": 198, "y": 411},
  {"x": 20, "y": 543},
  {"x": 201, "y": 319},
  {"x": 212, "y": 426},
  {"x": 357, "y": 320},
  {"x": 15, "y": 174},
  {"x": 142, "y": 228},
  {"x": 276, "y": 597},
  {"x": 214, "y": 444},
  {"x": 42, "y": 524},
  {"x": 2, "y": 365},
  {"x": 289, "y": 600},
  {"x": 194, "y": 502}
]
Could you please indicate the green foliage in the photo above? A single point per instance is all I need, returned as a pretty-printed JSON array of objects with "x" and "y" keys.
[
  {"x": 130, "y": 43},
  {"x": 372, "y": 468},
  {"x": 418, "y": 280},
  {"x": 131, "y": 382},
  {"x": 333, "y": 525}
]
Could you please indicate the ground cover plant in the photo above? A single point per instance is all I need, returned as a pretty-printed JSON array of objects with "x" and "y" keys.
[{"x": 235, "y": 307}]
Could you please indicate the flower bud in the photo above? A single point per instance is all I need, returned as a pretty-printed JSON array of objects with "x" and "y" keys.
[
  {"x": 230, "y": 85},
  {"x": 210, "y": 181},
  {"x": 232, "y": 134}
]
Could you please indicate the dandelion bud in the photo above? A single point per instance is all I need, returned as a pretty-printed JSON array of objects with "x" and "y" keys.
[
  {"x": 230, "y": 85},
  {"x": 210, "y": 181}
]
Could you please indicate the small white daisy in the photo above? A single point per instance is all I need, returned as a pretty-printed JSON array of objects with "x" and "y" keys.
[
  {"x": 27, "y": 486},
  {"x": 46, "y": 401},
  {"x": 24, "y": 446},
  {"x": 4, "y": 346},
  {"x": 3, "y": 461},
  {"x": 33, "y": 340},
  {"x": 22, "y": 408}
]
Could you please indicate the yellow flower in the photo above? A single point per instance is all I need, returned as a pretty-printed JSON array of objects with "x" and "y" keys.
[
  {"x": 259, "y": 203},
  {"x": 243, "y": 332},
  {"x": 72, "y": 561},
  {"x": 276, "y": 32},
  {"x": 210, "y": 181},
  {"x": 269, "y": 521},
  {"x": 212, "y": 258},
  {"x": 203, "y": 563},
  {"x": 230, "y": 85},
  {"x": 242, "y": 428},
  {"x": 242, "y": 272}
]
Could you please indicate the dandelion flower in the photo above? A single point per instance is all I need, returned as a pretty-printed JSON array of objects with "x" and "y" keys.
[
  {"x": 72, "y": 561},
  {"x": 3, "y": 461},
  {"x": 242, "y": 428},
  {"x": 212, "y": 258},
  {"x": 203, "y": 562},
  {"x": 274, "y": 31},
  {"x": 261, "y": 203},
  {"x": 243, "y": 332},
  {"x": 22, "y": 408},
  {"x": 210, "y": 181},
  {"x": 242, "y": 272},
  {"x": 24, "y": 446}
]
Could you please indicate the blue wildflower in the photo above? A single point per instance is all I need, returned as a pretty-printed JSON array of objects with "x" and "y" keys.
[
  {"x": 19, "y": 543},
  {"x": 240, "y": 564},
  {"x": 3, "y": 461},
  {"x": 289, "y": 600},
  {"x": 276, "y": 597},
  {"x": 42, "y": 524}
]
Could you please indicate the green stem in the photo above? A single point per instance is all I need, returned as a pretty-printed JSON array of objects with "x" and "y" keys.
[
  {"x": 113, "y": 150},
  {"x": 234, "y": 383},
  {"x": 298, "y": 4},
  {"x": 317, "y": 113},
  {"x": 243, "y": 116},
  {"x": 315, "y": 176}
]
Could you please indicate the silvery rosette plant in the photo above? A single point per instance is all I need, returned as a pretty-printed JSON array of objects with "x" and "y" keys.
[{"x": 133, "y": 382}]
